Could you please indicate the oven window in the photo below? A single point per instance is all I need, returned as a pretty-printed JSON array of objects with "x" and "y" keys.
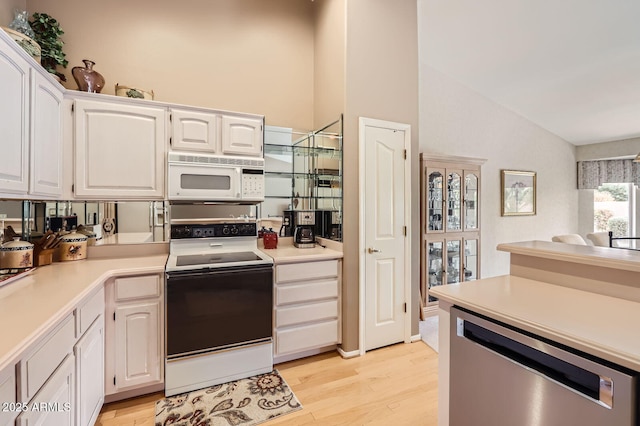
[
  {"x": 217, "y": 182},
  {"x": 208, "y": 310}
]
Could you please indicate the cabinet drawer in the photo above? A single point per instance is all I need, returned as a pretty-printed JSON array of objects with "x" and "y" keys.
[
  {"x": 306, "y": 271},
  {"x": 36, "y": 367},
  {"x": 306, "y": 313},
  {"x": 58, "y": 393},
  {"x": 89, "y": 311},
  {"x": 127, "y": 288},
  {"x": 307, "y": 337},
  {"x": 7, "y": 394},
  {"x": 295, "y": 293}
]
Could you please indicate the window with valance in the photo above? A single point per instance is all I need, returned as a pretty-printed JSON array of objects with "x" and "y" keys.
[{"x": 592, "y": 174}]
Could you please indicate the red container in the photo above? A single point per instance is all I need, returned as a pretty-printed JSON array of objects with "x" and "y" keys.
[{"x": 270, "y": 240}]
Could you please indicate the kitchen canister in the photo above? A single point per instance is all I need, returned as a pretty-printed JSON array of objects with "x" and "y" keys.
[
  {"x": 16, "y": 254},
  {"x": 73, "y": 246}
]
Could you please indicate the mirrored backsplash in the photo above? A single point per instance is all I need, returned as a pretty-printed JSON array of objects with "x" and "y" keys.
[{"x": 119, "y": 222}]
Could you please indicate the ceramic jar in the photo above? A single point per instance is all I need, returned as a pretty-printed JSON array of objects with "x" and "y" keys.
[
  {"x": 88, "y": 79},
  {"x": 73, "y": 246},
  {"x": 16, "y": 254}
]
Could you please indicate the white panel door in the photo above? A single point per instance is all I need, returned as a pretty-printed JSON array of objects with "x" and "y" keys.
[
  {"x": 242, "y": 136},
  {"x": 138, "y": 352},
  {"x": 384, "y": 237},
  {"x": 194, "y": 131},
  {"x": 46, "y": 137},
  {"x": 14, "y": 121},
  {"x": 89, "y": 353},
  {"x": 119, "y": 150}
]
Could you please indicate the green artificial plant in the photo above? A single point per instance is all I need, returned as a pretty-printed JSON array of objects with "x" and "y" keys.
[{"x": 48, "y": 32}]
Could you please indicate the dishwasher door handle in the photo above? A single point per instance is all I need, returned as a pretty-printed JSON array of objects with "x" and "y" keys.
[{"x": 529, "y": 353}]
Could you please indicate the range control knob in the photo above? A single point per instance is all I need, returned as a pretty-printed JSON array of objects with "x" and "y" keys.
[
  {"x": 225, "y": 231},
  {"x": 234, "y": 230}
]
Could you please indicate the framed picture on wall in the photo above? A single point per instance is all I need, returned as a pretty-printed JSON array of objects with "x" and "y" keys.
[{"x": 518, "y": 193}]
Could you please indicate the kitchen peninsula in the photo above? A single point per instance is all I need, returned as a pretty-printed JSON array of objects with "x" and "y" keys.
[{"x": 583, "y": 298}]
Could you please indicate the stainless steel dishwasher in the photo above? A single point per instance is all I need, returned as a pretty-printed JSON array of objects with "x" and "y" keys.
[{"x": 500, "y": 375}]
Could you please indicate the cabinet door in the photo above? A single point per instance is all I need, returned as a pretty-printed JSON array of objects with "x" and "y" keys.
[
  {"x": 194, "y": 131},
  {"x": 119, "y": 150},
  {"x": 471, "y": 201},
  {"x": 242, "y": 135},
  {"x": 14, "y": 121},
  {"x": 55, "y": 401},
  {"x": 138, "y": 355},
  {"x": 435, "y": 199},
  {"x": 434, "y": 266},
  {"x": 46, "y": 137},
  {"x": 454, "y": 201},
  {"x": 471, "y": 260},
  {"x": 89, "y": 352},
  {"x": 454, "y": 261},
  {"x": 8, "y": 394}
]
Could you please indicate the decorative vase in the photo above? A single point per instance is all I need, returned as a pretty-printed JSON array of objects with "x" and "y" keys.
[{"x": 87, "y": 78}]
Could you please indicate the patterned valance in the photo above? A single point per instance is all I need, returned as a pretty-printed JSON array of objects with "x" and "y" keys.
[{"x": 592, "y": 174}]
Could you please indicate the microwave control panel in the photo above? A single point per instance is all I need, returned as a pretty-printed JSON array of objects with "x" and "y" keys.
[{"x": 252, "y": 185}]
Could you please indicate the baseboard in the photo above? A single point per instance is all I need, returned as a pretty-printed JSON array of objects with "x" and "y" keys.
[
  {"x": 347, "y": 355},
  {"x": 415, "y": 338},
  {"x": 134, "y": 393}
]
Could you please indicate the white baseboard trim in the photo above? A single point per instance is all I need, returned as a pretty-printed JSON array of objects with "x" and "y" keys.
[
  {"x": 415, "y": 338},
  {"x": 347, "y": 355}
]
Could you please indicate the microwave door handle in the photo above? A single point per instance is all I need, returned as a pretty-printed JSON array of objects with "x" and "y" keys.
[{"x": 239, "y": 180}]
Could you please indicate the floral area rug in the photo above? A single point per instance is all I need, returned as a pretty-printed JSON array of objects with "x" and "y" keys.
[{"x": 242, "y": 402}]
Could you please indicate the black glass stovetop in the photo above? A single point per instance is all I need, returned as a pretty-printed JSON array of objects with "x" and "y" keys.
[{"x": 213, "y": 258}]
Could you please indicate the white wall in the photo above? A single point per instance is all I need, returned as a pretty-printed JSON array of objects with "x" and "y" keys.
[{"x": 454, "y": 120}]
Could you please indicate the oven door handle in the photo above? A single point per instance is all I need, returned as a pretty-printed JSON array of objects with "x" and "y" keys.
[{"x": 216, "y": 270}]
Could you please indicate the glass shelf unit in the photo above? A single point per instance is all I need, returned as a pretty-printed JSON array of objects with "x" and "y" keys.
[
  {"x": 450, "y": 222},
  {"x": 303, "y": 170}
]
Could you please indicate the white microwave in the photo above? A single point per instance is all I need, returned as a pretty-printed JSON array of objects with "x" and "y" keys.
[{"x": 199, "y": 177}]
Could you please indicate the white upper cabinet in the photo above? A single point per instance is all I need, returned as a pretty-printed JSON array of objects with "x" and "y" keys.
[
  {"x": 194, "y": 131},
  {"x": 14, "y": 121},
  {"x": 46, "y": 137},
  {"x": 30, "y": 127},
  {"x": 242, "y": 135},
  {"x": 119, "y": 150}
]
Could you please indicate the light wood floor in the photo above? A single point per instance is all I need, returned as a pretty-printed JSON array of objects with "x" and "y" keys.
[{"x": 395, "y": 385}]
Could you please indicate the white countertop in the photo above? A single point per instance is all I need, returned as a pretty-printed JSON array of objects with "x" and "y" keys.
[
  {"x": 604, "y": 326},
  {"x": 31, "y": 304},
  {"x": 617, "y": 258},
  {"x": 290, "y": 254}
]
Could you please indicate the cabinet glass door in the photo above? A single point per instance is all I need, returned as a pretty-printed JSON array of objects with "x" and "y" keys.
[
  {"x": 454, "y": 205},
  {"x": 470, "y": 260},
  {"x": 453, "y": 261},
  {"x": 470, "y": 201},
  {"x": 434, "y": 266},
  {"x": 435, "y": 185}
]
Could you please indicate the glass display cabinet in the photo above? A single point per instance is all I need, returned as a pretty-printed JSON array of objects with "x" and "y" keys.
[
  {"x": 450, "y": 222},
  {"x": 303, "y": 171}
]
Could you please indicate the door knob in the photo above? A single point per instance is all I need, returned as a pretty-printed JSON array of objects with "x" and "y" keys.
[{"x": 373, "y": 250}]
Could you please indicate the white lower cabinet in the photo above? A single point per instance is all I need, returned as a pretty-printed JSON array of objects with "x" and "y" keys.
[
  {"x": 307, "y": 308},
  {"x": 134, "y": 343},
  {"x": 53, "y": 404},
  {"x": 8, "y": 396},
  {"x": 89, "y": 354}
]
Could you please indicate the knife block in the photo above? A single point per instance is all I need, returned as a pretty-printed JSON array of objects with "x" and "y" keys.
[{"x": 42, "y": 257}]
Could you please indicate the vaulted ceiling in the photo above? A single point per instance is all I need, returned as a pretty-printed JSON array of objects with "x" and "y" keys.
[{"x": 570, "y": 66}]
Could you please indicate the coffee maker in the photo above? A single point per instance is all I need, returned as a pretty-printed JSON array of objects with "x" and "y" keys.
[{"x": 304, "y": 235}]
